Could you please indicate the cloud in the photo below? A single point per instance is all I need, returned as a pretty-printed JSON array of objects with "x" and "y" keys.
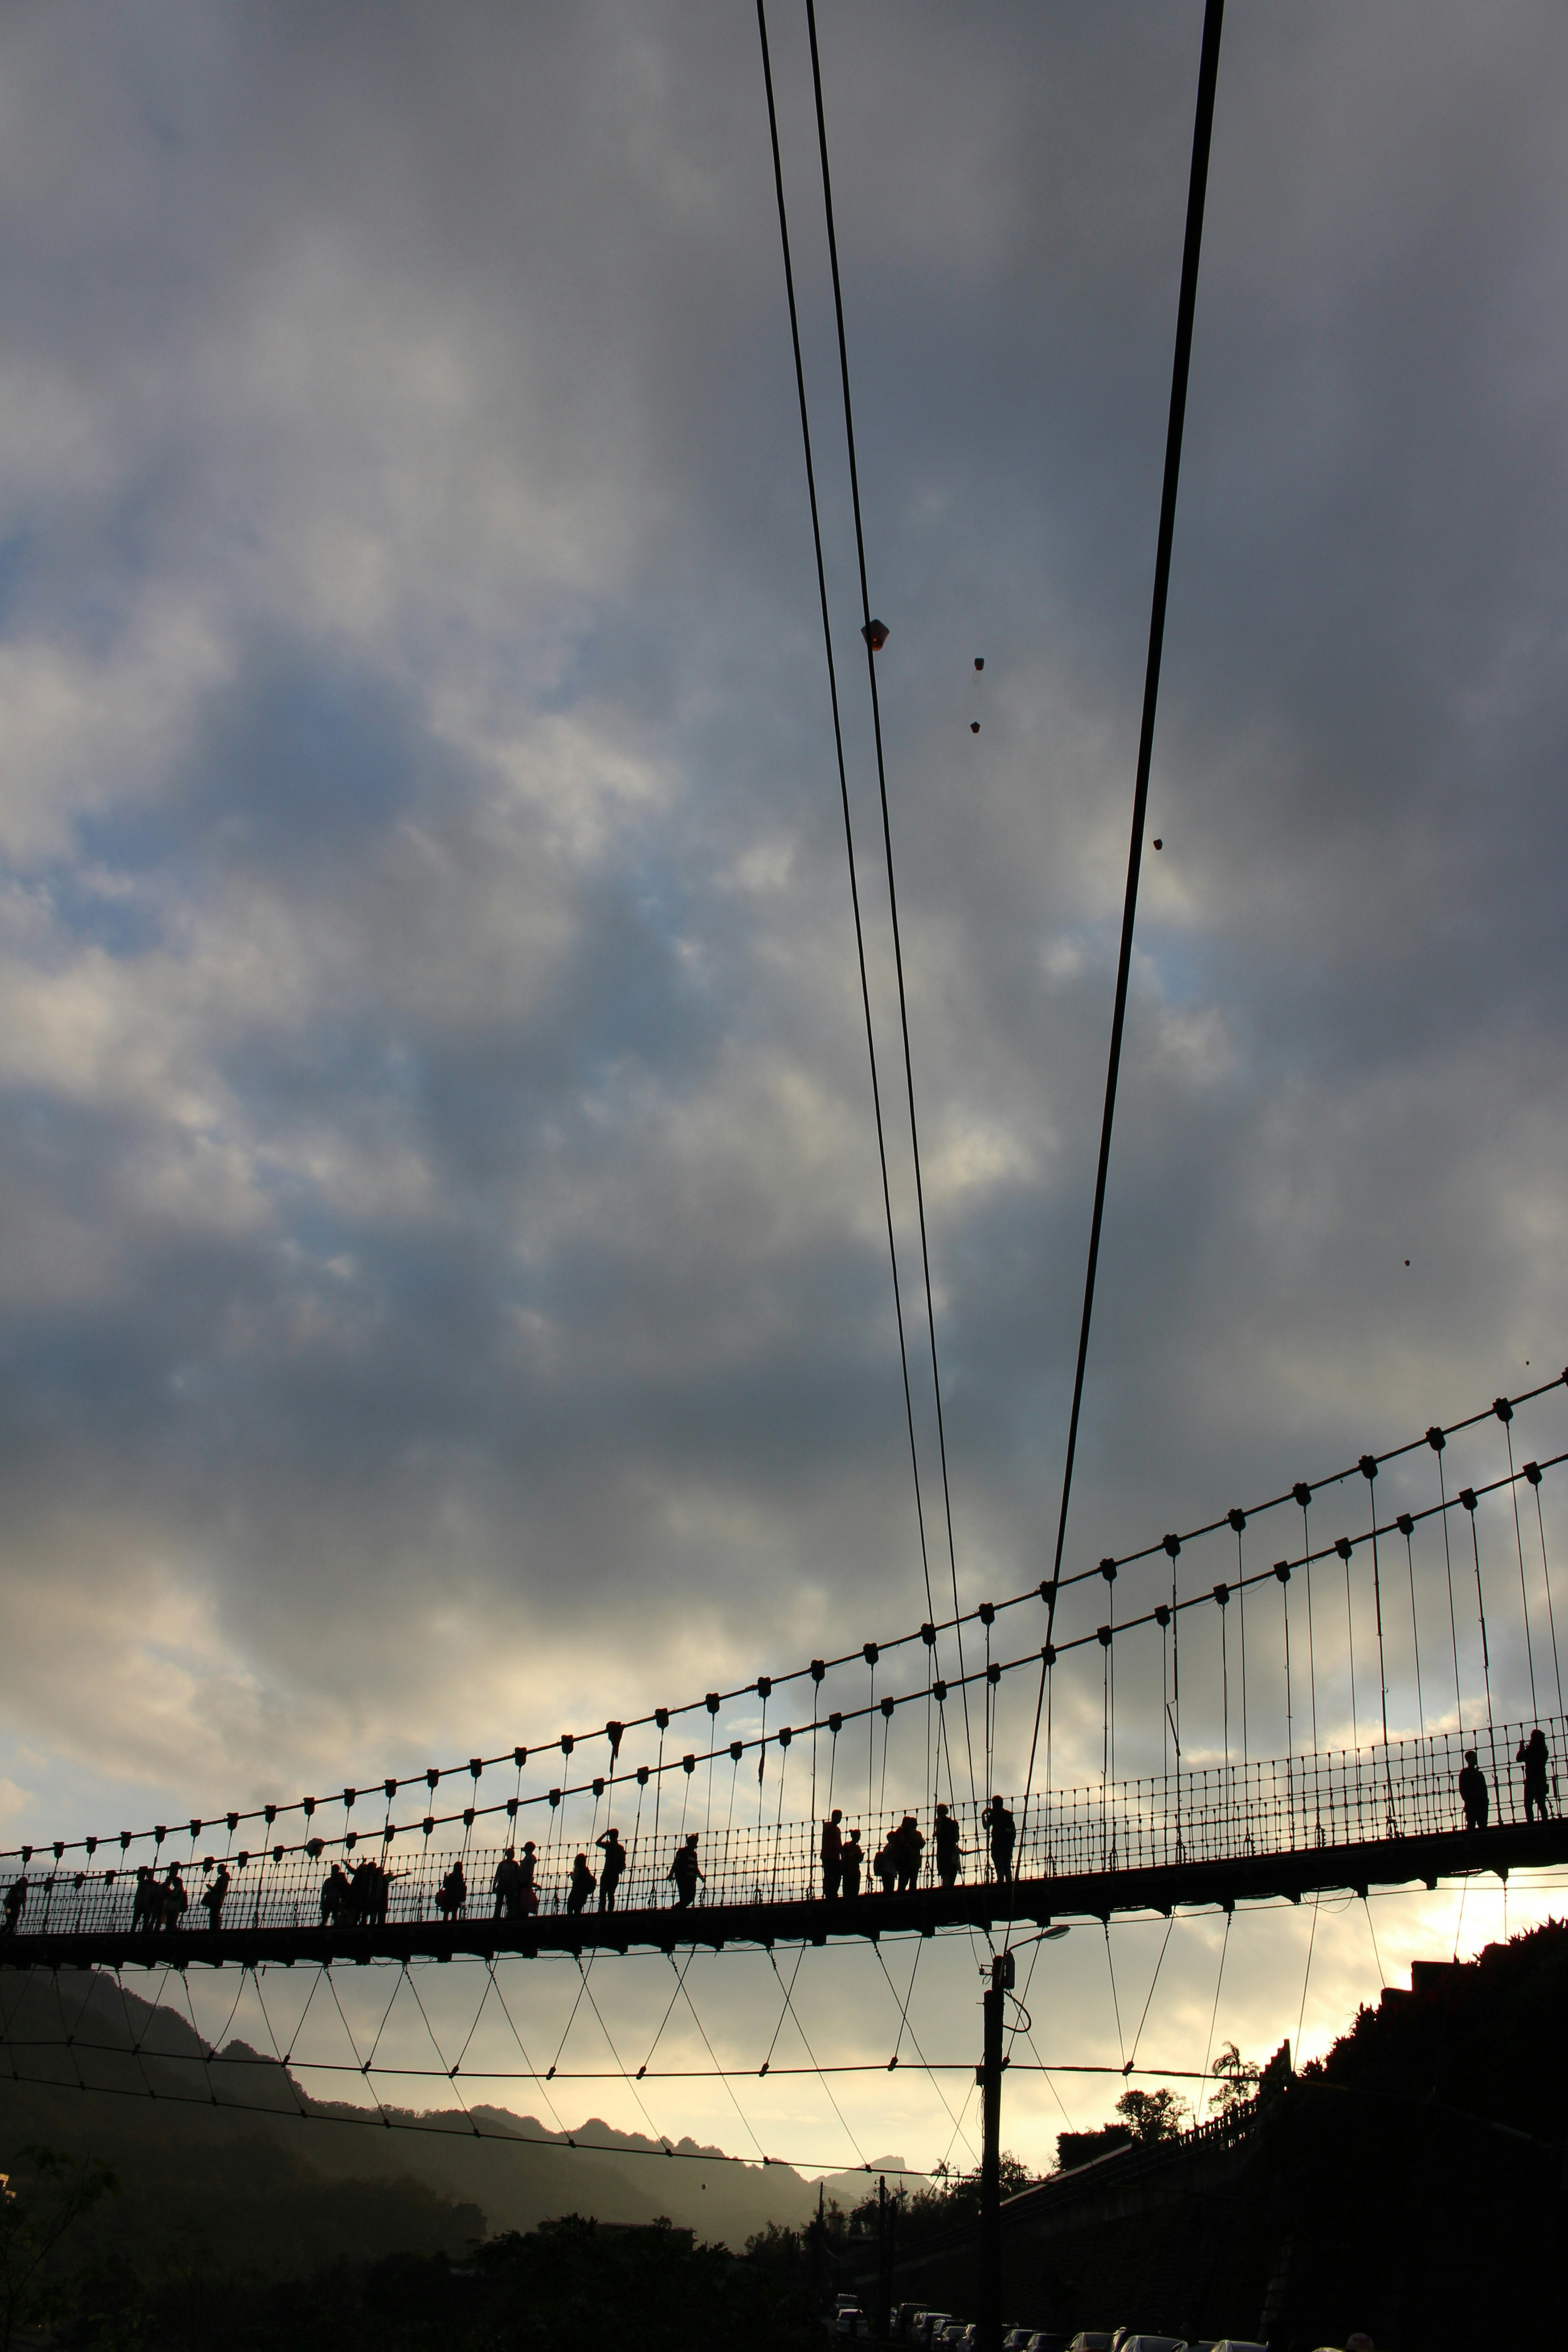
[{"x": 443, "y": 1259}]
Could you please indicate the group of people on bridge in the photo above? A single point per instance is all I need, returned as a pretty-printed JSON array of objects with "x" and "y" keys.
[
  {"x": 359, "y": 1898},
  {"x": 1475, "y": 1794},
  {"x": 896, "y": 1864}
]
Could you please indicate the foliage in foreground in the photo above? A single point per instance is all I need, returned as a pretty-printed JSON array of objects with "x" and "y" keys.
[{"x": 575, "y": 2283}]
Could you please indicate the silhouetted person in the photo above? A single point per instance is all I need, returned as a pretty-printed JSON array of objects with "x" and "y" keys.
[
  {"x": 909, "y": 1843},
  {"x": 505, "y": 1885},
  {"x": 850, "y": 1861},
  {"x": 1532, "y": 1756},
  {"x": 1004, "y": 1832},
  {"x": 831, "y": 1851},
  {"x": 213, "y": 1896},
  {"x": 687, "y": 1873},
  {"x": 361, "y": 1897},
  {"x": 453, "y": 1893},
  {"x": 527, "y": 1891},
  {"x": 380, "y": 1880},
  {"x": 15, "y": 1904},
  {"x": 886, "y": 1865},
  {"x": 613, "y": 1868},
  {"x": 173, "y": 1900},
  {"x": 1474, "y": 1794},
  {"x": 949, "y": 1853},
  {"x": 334, "y": 1896},
  {"x": 149, "y": 1902},
  {"x": 582, "y": 1885}
]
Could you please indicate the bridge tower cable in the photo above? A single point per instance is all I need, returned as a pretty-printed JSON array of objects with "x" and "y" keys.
[
  {"x": 1406, "y": 1526},
  {"x": 1504, "y": 1412},
  {"x": 1468, "y": 1499},
  {"x": 1187, "y": 304},
  {"x": 1368, "y": 1472},
  {"x": 867, "y": 631},
  {"x": 1437, "y": 1442},
  {"x": 844, "y": 799},
  {"x": 1532, "y": 1473}
]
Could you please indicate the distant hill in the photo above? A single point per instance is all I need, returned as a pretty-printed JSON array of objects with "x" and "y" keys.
[{"x": 303, "y": 2181}]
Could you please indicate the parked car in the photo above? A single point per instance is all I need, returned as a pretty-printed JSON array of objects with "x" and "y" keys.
[
  {"x": 903, "y": 2321},
  {"x": 848, "y": 2319},
  {"x": 1235, "y": 2344},
  {"x": 953, "y": 2334},
  {"x": 1092, "y": 2339},
  {"x": 1016, "y": 2338},
  {"x": 1047, "y": 2339},
  {"x": 1153, "y": 2344},
  {"x": 929, "y": 2325}
]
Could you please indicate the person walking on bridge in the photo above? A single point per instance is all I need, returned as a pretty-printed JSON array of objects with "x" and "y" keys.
[
  {"x": 949, "y": 1853},
  {"x": 1474, "y": 1794},
  {"x": 687, "y": 1873},
  {"x": 334, "y": 1896},
  {"x": 1532, "y": 1756},
  {"x": 851, "y": 1860},
  {"x": 831, "y": 1851},
  {"x": 582, "y": 1885},
  {"x": 615, "y": 1855},
  {"x": 1004, "y": 1832},
  {"x": 15, "y": 1904},
  {"x": 528, "y": 1869}
]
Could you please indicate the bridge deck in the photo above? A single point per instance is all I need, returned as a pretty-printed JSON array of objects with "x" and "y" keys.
[{"x": 1286, "y": 1876}]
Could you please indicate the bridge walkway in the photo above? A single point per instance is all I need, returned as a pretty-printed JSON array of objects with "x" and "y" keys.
[{"x": 1287, "y": 1874}]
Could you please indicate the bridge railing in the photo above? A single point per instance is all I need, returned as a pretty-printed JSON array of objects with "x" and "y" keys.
[{"x": 1210, "y": 1812}]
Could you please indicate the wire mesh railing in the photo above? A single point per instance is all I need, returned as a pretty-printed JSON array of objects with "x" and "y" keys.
[{"x": 1212, "y": 1812}]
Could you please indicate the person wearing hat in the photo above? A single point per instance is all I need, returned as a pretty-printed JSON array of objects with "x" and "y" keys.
[{"x": 615, "y": 1855}]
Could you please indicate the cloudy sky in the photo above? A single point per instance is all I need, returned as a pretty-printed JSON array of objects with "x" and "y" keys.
[{"x": 444, "y": 1288}]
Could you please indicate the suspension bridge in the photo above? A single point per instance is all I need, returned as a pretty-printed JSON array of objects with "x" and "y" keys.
[
  {"x": 1218, "y": 1825},
  {"x": 1381, "y": 1708}
]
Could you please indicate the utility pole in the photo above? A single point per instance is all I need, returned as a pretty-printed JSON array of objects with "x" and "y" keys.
[
  {"x": 989, "y": 2076},
  {"x": 884, "y": 2259}
]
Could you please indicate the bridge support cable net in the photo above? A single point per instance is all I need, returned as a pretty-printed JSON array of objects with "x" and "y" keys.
[
  {"x": 849, "y": 821},
  {"x": 867, "y": 632},
  {"x": 1187, "y": 304},
  {"x": 925, "y": 2064},
  {"x": 1214, "y": 2013}
]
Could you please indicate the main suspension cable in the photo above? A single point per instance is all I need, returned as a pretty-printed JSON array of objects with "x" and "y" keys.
[
  {"x": 887, "y": 837},
  {"x": 844, "y": 796},
  {"x": 1197, "y": 186}
]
